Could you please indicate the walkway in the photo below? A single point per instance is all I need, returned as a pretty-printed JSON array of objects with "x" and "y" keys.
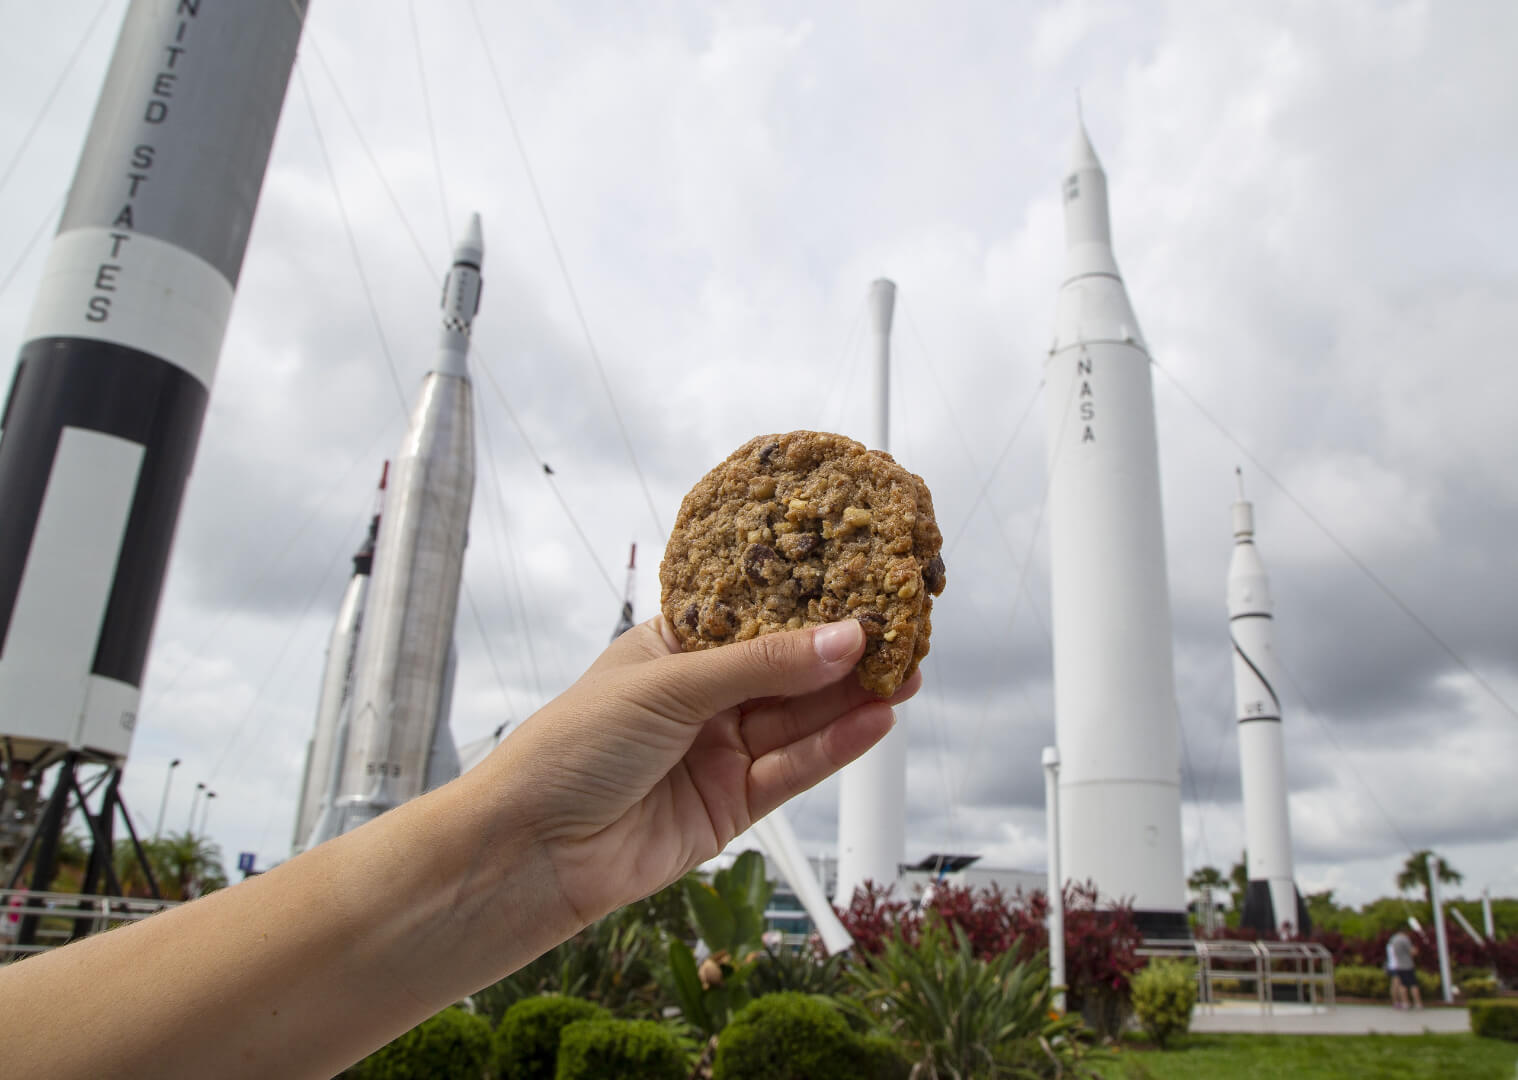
[{"x": 1292, "y": 1019}]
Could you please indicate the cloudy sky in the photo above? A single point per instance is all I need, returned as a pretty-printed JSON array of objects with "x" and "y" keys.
[{"x": 1308, "y": 204}]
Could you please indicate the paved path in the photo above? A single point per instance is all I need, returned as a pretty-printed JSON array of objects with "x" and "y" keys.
[{"x": 1293, "y": 1019}]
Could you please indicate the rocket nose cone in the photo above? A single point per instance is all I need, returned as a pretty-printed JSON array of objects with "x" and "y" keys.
[
  {"x": 471, "y": 246},
  {"x": 1082, "y": 156}
]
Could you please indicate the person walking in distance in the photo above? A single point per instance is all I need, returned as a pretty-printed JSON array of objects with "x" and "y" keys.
[{"x": 1400, "y": 951}]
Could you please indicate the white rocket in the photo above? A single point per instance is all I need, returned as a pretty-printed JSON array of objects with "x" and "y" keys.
[
  {"x": 1271, "y": 902},
  {"x": 394, "y": 733},
  {"x": 116, "y": 366},
  {"x": 1114, "y": 685},
  {"x": 325, "y": 751},
  {"x": 872, "y": 815}
]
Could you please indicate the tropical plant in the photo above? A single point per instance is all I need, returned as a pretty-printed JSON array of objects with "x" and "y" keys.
[
  {"x": 1164, "y": 994},
  {"x": 728, "y": 916},
  {"x": 615, "y": 1049},
  {"x": 792, "y": 1036},
  {"x": 1414, "y": 874},
  {"x": 958, "y": 1016},
  {"x": 451, "y": 1044},
  {"x": 184, "y": 866},
  {"x": 527, "y": 1042},
  {"x": 781, "y": 969}
]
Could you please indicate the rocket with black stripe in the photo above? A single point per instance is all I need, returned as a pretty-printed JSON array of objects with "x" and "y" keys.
[
  {"x": 1272, "y": 904},
  {"x": 103, "y": 416},
  {"x": 1114, "y": 685}
]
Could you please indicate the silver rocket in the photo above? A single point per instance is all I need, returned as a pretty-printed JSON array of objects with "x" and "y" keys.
[
  {"x": 397, "y": 742},
  {"x": 1271, "y": 902},
  {"x": 1114, "y": 685},
  {"x": 324, "y": 752},
  {"x": 104, "y": 413}
]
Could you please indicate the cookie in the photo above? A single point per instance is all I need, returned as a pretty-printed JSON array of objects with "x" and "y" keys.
[{"x": 803, "y": 529}]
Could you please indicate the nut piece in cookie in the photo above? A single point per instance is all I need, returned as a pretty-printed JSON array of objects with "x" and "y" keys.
[{"x": 801, "y": 529}]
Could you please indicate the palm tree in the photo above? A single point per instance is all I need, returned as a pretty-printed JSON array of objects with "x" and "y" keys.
[
  {"x": 1414, "y": 874},
  {"x": 1207, "y": 877},
  {"x": 184, "y": 865}
]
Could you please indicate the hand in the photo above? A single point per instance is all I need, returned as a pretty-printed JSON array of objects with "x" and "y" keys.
[{"x": 656, "y": 758}]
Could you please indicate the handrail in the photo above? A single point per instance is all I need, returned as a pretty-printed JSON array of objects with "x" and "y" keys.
[
  {"x": 1311, "y": 967},
  {"x": 95, "y": 912}
]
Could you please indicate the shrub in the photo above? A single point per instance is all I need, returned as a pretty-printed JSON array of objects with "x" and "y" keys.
[
  {"x": 779, "y": 969},
  {"x": 1364, "y": 982},
  {"x": 788, "y": 1036},
  {"x": 880, "y": 1058},
  {"x": 527, "y": 1043},
  {"x": 1429, "y": 984},
  {"x": 613, "y": 1049},
  {"x": 453, "y": 1043},
  {"x": 1478, "y": 986},
  {"x": 1164, "y": 994},
  {"x": 1495, "y": 1019}
]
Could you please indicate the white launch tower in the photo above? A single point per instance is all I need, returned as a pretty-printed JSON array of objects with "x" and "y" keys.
[{"x": 1114, "y": 686}]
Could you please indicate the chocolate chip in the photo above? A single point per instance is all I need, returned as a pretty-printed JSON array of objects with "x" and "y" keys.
[
  {"x": 718, "y": 620},
  {"x": 934, "y": 576},
  {"x": 872, "y": 621},
  {"x": 689, "y": 616},
  {"x": 767, "y": 453},
  {"x": 754, "y": 560}
]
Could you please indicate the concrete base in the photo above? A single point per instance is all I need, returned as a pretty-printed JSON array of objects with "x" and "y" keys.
[{"x": 1246, "y": 1018}]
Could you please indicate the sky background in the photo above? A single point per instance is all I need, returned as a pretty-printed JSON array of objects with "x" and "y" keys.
[{"x": 1312, "y": 207}]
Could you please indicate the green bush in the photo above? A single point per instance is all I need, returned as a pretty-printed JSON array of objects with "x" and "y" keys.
[
  {"x": 880, "y": 1058},
  {"x": 614, "y": 1049},
  {"x": 1478, "y": 986},
  {"x": 527, "y": 1043},
  {"x": 791, "y": 1036},
  {"x": 1495, "y": 1019},
  {"x": 453, "y": 1043},
  {"x": 1429, "y": 984},
  {"x": 1164, "y": 994},
  {"x": 1364, "y": 982}
]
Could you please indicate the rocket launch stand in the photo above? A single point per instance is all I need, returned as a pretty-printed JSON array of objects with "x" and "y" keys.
[{"x": 41, "y": 847}]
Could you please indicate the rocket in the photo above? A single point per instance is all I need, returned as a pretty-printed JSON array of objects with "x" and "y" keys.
[
  {"x": 328, "y": 740},
  {"x": 393, "y": 734},
  {"x": 1114, "y": 684},
  {"x": 625, "y": 619},
  {"x": 103, "y": 417},
  {"x": 1272, "y": 904},
  {"x": 872, "y": 814}
]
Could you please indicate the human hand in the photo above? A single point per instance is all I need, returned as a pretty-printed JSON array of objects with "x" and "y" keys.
[{"x": 656, "y": 758}]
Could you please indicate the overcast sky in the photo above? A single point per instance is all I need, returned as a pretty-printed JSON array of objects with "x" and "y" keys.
[{"x": 1313, "y": 210}]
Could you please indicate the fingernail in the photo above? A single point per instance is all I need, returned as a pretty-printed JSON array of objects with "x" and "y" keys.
[{"x": 836, "y": 640}]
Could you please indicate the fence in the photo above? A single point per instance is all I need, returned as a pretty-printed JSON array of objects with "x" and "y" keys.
[
  {"x": 61, "y": 917},
  {"x": 1304, "y": 966}
]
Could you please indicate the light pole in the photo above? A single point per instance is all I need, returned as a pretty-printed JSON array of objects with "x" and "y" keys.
[
  {"x": 164, "y": 803},
  {"x": 194, "y": 802},
  {"x": 1056, "y": 881},
  {"x": 205, "y": 812}
]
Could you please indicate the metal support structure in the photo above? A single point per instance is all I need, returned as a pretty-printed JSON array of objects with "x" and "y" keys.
[
  {"x": 49, "y": 830},
  {"x": 1441, "y": 936},
  {"x": 1488, "y": 924},
  {"x": 1056, "y": 881}
]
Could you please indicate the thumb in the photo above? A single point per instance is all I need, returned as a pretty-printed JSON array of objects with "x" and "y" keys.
[{"x": 698, "y": 685}]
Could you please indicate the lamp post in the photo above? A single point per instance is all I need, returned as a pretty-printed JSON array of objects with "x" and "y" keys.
[
  {"x": 205, "y": 812},
  {"x": 194, "y": 802},
  {"x": 164, "y": 802},
  {"x": 1056, "y": 881}
]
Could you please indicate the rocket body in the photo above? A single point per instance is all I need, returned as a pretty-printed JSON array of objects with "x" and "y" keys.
[
  {"x": 872, "y": 821},
  {"x": 398, "y": 743},
  {"x": 102, "y": 421},
  {"x": 1271, "y": 902},
  {"x": 1114, "y": 688}
]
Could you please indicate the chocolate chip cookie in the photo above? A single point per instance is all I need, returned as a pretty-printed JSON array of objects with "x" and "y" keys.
[{"x": 801, "y": 529}]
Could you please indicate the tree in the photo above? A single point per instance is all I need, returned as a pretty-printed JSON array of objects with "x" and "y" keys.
[
  {"x": 1238, "y": 877},
  {"x": 1207, "y": 877},
  {"x": 1414, "y": 874},
  {"x": 184, "y": 865}
]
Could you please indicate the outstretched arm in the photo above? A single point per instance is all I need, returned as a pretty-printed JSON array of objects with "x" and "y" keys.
[{"x": 643, "y": 769}]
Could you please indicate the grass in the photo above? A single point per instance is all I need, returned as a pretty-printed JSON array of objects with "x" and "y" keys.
[{"x": 1311, "y": 1057}]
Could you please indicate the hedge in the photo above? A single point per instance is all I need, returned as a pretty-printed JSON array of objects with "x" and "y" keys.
[
  {"x": 527, "y": 1042},
  {"x": 792, "y": 1036},
  {"x": 451, "y": 1044},
  {"x": 1496, "y": 1018},
  {"x": 616, "y": 1049}
]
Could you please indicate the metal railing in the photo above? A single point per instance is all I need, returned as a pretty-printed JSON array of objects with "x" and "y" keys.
[
  {"x": 61, "y": 917},
  {"x": 1304, "y": 965}
]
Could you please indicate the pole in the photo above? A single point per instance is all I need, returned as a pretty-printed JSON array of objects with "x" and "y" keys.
[
  {"x": 1056, "y": 881},
  {"x": 1486, "y": 915},
  {"x": 194, "y": 802},
  {"x": 1440, "y": 936},
  {"x": 164, "y": 802},
  {"x": 205, "y": 812}
]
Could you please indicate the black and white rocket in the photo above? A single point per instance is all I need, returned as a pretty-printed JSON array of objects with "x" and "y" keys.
[
  {"x": 392, "y": 739},
  {"x": 1114, "y": 688},
  {"x": 103, "y": 417},
  {"x": 1272, "y": 904}
]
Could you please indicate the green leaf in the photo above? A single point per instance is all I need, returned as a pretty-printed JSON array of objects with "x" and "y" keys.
[
  {"x": 682, "y": 965},
  {"x": 713, "y": 917}
]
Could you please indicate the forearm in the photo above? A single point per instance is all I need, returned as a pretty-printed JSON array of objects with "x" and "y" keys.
[{"x": 303, "y": 970}]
